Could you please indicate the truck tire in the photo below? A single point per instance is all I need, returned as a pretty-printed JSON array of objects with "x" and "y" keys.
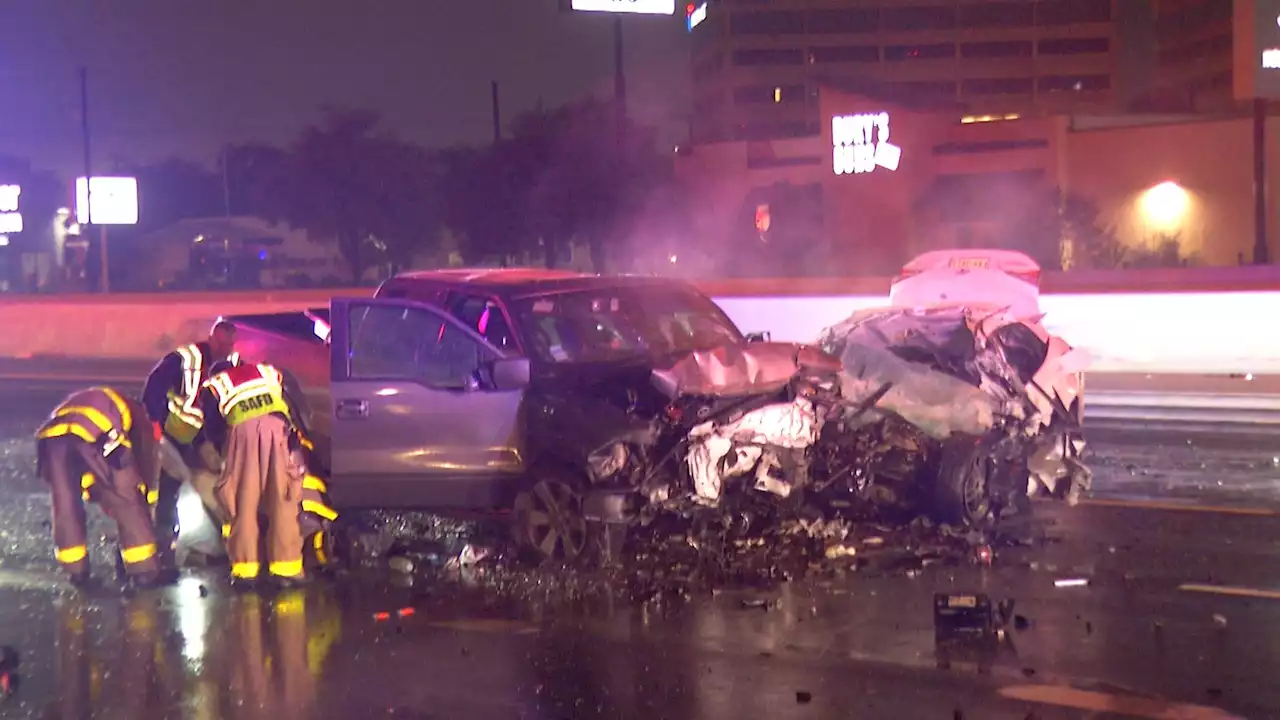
[
  {"x": 548, "y": 523},
  {"x": 965, "y": 486}
]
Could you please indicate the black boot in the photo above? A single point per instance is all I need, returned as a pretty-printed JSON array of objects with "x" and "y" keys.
[
  {"x": 240, "y": 584},
  {"x": 146, "y": 581},
  {"x": 289, "y": 583}
]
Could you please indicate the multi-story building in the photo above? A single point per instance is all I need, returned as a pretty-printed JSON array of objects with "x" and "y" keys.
[
  {"x": 757, "y": 64},
  {"x": 1194, "y": 69}
]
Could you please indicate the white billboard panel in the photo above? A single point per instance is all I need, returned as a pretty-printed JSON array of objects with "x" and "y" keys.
[
  {"x": 696, "y": 16},
  {"x": 10, "y": 218},
  {"x": 638, "y": 7},
  {"x": 114, "y": 201}
]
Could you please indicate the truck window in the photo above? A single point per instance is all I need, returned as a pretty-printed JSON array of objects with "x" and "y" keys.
[
  {"x": 413, "y": 344},
  {"x": 484, "y": 315}
]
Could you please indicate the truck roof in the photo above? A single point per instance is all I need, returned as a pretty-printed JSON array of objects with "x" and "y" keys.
[{"x": 520, "y": 282}]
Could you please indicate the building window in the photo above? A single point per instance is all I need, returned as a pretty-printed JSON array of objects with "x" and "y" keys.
[
  {"x": 1068, "y": 12},
  {"x": 925, "y": 90},
  {"x": 1074, "y": 46},
  {"x": 852, "y": 20},
  {"x": 995, "y": 49},
  {"x": 997, "y": 14},
  {"x": 773, "y": 22},
  {"x": 770, "y": 94},
  {"x": 782, "y": 56},
  {"x": 997, "y": 86},
  {"x": 920, "y": 52},
  {"x": 974, "y": 148},
  {"x": 918, "y": 18},
  {"x": 1067, "y": 83},
  {"x": 843, "y": 54}
]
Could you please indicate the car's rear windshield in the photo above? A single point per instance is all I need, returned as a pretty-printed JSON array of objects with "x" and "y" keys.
[{"x": 609, "y": 324}]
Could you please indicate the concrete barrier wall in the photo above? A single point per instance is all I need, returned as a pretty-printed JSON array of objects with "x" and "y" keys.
[
  {"x": 130, "y": 326},
  {"x": 1191, "y": 328}
]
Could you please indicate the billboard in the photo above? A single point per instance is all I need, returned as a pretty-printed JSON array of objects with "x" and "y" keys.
[
  {"x": 10, "y": 218},
  {"x": 114, "y": 201},
  {"x": 1256, "y": 49},
  {"x": 860, "y": 144},
  {"x": 636, "y": 7}
]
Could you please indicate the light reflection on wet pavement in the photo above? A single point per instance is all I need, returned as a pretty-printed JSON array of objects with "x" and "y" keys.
[{"x": 481, "y": 643}]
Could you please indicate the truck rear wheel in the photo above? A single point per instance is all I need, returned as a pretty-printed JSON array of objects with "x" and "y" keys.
[{"x": 549, "y": 524}]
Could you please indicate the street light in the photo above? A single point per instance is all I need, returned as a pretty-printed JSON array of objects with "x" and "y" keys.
[{"x": 1165, "y": 206}]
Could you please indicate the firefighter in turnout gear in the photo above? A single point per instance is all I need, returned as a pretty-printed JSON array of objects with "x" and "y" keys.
[
  {"x": 96, "y": 445},
  {"x": 248, "y": 415},
  {"x": 176, "y": 416},
  {"x": 317, "y": 514}
]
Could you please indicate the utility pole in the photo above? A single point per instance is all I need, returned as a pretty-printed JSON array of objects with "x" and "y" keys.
[
  {"x": 226, "y": 181},
  {"x": 497, "y": 113},
  {"x": 1261, "y": 254},
  {"x": 103, "y": 272},
  {"x": 619, "y": 82}
]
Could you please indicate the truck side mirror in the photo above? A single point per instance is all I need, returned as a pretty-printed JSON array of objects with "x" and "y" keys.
[{"x": 510, "y": 373}]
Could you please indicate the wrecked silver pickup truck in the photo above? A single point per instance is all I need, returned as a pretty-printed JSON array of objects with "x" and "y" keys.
[
  {"x": 954, "y": 412},
  {"x": 584, "y": 405}
]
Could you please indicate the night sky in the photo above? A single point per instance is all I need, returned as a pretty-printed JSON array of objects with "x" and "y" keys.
[{"x": 181, "y": 78}]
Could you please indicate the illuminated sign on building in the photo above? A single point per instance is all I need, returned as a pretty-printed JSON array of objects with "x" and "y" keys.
[
  {"x": 114, "y": 201},
  {"x": 861, "y": 144},
  {"x": 10, "y": 218},
  {"x": 696, "y": 15},
  {"x": 638, "y": 7},
  {"x": 1255, "y": 49}
]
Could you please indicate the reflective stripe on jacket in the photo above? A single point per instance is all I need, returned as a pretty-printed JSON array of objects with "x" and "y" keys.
[
  {"x": 98, "y": 415},
  {"x": 185, "y": 416},
  {"x": 249, "y": 391}
]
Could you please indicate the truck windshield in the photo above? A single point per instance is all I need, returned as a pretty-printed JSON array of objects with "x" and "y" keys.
[{"x": 621, "y": 323}]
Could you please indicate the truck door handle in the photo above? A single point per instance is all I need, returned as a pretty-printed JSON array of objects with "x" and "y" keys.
[{"x": 350, "y": 409}]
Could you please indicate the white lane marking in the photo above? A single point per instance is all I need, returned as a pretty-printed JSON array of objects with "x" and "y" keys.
[
  {"x": 1125, "y": 705},
  {"x": 1180, "y": 507},
  {"x": 1235, "y": 590}
]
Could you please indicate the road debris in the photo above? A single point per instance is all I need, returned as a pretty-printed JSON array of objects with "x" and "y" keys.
[{"x": 1071, "y": 582}]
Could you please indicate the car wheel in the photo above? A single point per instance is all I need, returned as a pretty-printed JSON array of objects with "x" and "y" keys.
[
  {"x": 967, "y": 480},
  {"x": 549, "y": 523}
]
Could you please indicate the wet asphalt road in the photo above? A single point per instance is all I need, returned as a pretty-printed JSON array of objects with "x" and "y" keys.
[{"x": 487, "y": 644}]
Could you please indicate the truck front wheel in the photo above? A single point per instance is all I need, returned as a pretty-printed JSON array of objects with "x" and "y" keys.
[{"x": 549, "y": 524}]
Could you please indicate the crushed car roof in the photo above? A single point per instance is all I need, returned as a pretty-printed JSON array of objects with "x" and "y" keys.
[{"x": 516, "y": 282}]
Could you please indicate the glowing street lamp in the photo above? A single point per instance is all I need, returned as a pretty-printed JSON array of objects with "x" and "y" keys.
[{"x": 1165, "y": 206}]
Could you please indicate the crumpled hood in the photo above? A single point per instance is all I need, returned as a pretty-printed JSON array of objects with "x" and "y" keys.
[{"x": 750, "y": 369}]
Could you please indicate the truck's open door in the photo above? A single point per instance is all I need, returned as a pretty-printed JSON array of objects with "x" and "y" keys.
[{"x": 425, "y": 411}]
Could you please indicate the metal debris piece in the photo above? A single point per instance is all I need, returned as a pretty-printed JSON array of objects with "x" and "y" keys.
[
  {"x": 400, "y": 564},
  {"x": 835, "y": 552},
  {"x": 983, "y": 554},
  {"x": 1219, "y": 620}
]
